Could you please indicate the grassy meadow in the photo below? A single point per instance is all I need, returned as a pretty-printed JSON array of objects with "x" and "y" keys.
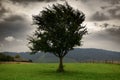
[{"x": 47, "y": 71}]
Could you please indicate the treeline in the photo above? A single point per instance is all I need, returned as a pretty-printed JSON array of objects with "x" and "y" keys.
[
  {"x": 16, "y": 58},
  {"x": 4, "y": 57}
]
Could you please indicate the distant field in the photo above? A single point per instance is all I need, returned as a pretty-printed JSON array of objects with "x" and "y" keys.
[{"x": 47, "y": 71}]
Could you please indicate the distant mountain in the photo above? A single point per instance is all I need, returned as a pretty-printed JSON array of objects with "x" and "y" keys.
[{"x": 76, "y": 55}]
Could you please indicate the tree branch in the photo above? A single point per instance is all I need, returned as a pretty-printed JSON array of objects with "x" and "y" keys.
[{"x": 56, "y": 55}]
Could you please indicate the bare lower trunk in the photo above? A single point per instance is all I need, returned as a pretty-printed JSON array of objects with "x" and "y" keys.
[{"x": 60, "y": 68}]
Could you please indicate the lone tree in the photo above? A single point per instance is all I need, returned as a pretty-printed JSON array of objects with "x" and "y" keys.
[{"x": 59, "y": 30}]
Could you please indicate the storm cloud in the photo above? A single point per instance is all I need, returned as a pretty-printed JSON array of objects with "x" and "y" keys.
[
  {"x": 30, "y": 1},
  {"x": 13, "y": 25},
  {"x": 112, "y": 30},
  {"x": 2, "y": 9},
  {"x": 113, "y": 2},
  {"x": 98, "y": 16},
  {"x": 102, "y": 10}
]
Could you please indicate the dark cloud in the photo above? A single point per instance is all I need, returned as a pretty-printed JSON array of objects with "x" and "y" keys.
[
  {"x": 113, "y": 31},
  {"x": 105, "y": 25},
  {"x": 98, "y": 16},
  {"x": 14, "y": 18},
  {"x": 14, "y": 25},
  {"x": 102, "y": 39},
  {"x": 106, "y": 38},
  {"x": 29, "y": 1},
  {"x": 106, "y": 9},
  {"x": 84, "y": 0},
  {"x": 114, "y": 12},
  {"x": 113, "y": 2},
  {"x": 2, "y": 9}
]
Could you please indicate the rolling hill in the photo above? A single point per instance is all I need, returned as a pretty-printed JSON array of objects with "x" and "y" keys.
[{"x": 76, "y": 55}]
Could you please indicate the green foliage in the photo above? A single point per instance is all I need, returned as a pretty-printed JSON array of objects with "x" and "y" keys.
[
  {"x": 76, "y": 71},
  {"x": 17, "y": 56},
  {"x": 59, "y": 29},
  {"x": 4, "y": 57},
  {"x": 30, "y": 60}
]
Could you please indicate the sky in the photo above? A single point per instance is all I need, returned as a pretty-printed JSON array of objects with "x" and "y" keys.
[{"x": 102, "y": 21}]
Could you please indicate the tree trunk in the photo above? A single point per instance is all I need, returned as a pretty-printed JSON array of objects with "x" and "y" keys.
[{"x": 60, "y": 68}]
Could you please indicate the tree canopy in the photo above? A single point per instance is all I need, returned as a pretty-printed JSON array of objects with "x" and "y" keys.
[{"x": 59, "y": 30}]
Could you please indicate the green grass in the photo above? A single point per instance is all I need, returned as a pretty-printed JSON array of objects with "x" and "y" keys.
[{"x": 47, "y": 71}]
